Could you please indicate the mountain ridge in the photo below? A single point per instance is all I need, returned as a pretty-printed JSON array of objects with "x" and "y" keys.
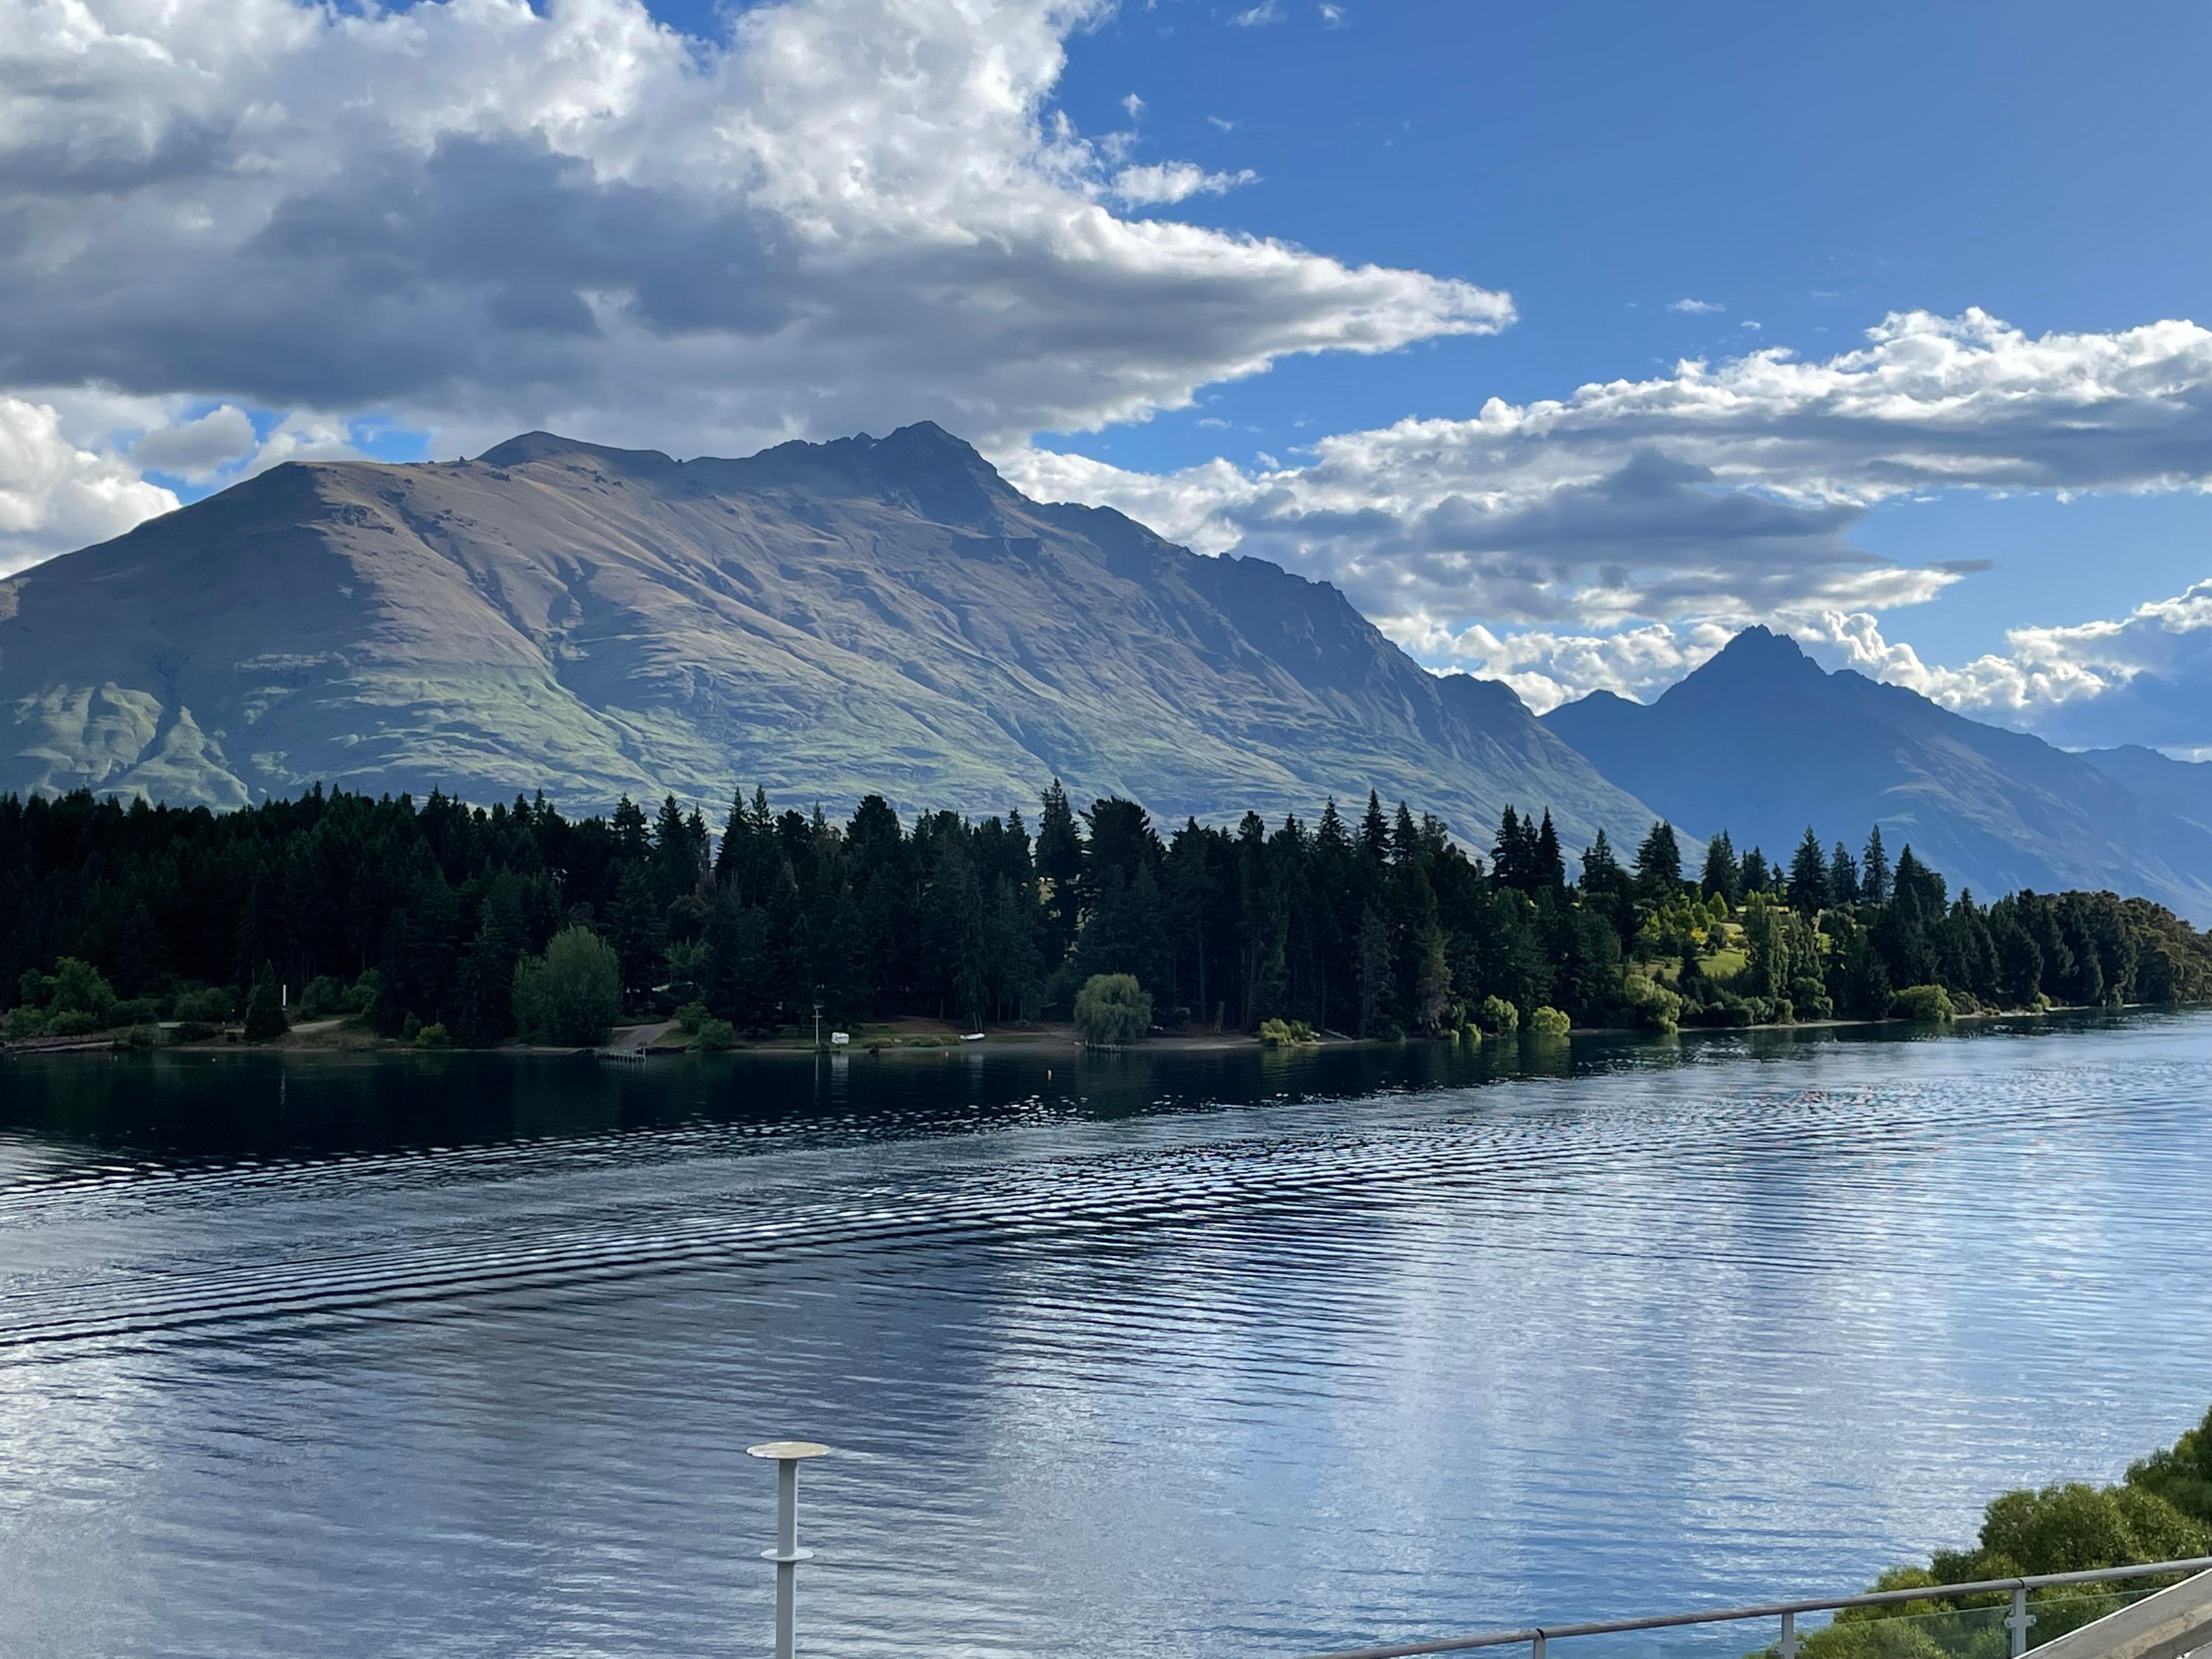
[
  {"x": 870, "y": 614},
  {"x": 1761, "y": 741}
]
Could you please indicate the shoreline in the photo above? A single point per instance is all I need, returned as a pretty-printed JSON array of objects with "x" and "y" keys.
[{"x": 646, "y": 1040}]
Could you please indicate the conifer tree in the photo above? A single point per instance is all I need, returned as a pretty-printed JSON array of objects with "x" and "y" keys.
[
  {"x": 1374, "y": 831},
  {"x": 1808, "y": 876},
  {"x": 1756, "y": 875},
  {"x": 1843, "y": 877},
  {"x": 1547, "y": 868},
  {"x": 1724, "y": 875},
  {"x": 1509, "y": 853},
  {"x": 1874, "y": 870},
  {"x": 1659, "y": 863}
]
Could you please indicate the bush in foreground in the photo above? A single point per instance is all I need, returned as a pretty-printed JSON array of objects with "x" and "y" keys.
[
  {"x": 1929, "y": 1004},
  {"x": 1549, "y": 1022},
  {"x": 1112, "y": 1009},
  {"x": 570, "y": 996}
]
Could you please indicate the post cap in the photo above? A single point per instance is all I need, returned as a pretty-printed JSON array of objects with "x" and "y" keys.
[{"x": 782, "y": 1450}]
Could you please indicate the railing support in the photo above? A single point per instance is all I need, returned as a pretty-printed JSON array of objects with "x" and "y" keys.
[
  {"x": 2019, "y": 1619},
  {"x": 1788, "y": 1646},
  {"x": 787, "y": 1554}
]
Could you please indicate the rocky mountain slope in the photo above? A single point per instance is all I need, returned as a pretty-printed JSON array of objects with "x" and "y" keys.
[
  {"x": 1762, "y": 742},
  {"x": 825, "y": 619}
]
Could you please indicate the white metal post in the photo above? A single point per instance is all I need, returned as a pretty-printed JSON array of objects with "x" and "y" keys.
[
  {"x": 1790, "y": 1644},
  {"x": 2019, "y": 1622},
  {"x": 787, "y": 1554}
]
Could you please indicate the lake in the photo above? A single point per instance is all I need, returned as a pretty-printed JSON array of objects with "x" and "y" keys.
[{"x": 1177, "y": 1355}]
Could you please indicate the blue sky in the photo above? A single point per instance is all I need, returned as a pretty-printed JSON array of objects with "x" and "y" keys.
[
  {"x": 816, "y": 216},
  {"x": 1809, "y": 168}
]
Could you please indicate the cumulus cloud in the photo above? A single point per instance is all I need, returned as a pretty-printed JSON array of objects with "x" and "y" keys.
[
  {"x": 1259, "y": 16},
  {"x": 55, "y": 495},
  {"x": 476, "y": 216},
  {"x": 1721, "y": 494},
  {"x": 1695, "y": 307}
]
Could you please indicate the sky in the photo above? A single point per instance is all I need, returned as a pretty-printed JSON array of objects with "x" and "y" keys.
[{"x": 1565, "y": 341}]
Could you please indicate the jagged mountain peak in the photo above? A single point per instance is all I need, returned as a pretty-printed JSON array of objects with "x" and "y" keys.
[
  {"x": 826, "y": 619},
  {"x": 1762, "y": 742}
]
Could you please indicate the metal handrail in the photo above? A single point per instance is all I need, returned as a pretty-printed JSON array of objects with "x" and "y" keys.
[{"x": 1537, "y": 1635}]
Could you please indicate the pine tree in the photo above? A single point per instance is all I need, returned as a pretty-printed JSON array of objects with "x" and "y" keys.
[
  {"x": 1808, "y": 876},
  {"x": 1843, "y": 877},
  {"x": 1374, "y": 831},
  {"x": 1724, "y": 875},
  {"x": 1756, "y": 875},
  {"x": 1874, "y": 870},
  {"x": 1547, "y": 867},
  {"x": 1659, "y": 863},
  {"x": 1508, "y": 858}
]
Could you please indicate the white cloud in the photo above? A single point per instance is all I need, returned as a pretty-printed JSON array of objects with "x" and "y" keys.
[
  {"x": 1332, "y": 16},
  {"x": 1134, "y": 105},
  {"x": 54, "y": 495},
  {"x": 1222, "y": 122},
  {"x": 1173, "y": 181},
  {"x": 1268, "y": 11},
  {"x": 1725, "y": 493},
  {"x": 1695, "y": 307},
  {"x": 474, "y": 217}
]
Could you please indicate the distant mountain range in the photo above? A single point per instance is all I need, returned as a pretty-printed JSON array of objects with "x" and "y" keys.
[
  {"x": 1762, "y": 742},
  {"x": 823, "y": 619}
]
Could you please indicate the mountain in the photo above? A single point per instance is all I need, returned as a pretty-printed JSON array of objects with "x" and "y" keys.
[
  {"x": 1761, "y": 742},
  {"x": 2181, "y": 788},
  {"x": 825, "y": 619}
]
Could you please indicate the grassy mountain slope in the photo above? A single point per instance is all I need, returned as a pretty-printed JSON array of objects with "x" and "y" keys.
[{"x": 825, "y": 619}]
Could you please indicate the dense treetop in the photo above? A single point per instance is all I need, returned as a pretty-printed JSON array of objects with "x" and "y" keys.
[{"x": 1374, "y": 924}]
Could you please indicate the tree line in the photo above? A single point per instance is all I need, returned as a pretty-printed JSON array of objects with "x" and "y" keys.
[{"x": 438, "y": 913}]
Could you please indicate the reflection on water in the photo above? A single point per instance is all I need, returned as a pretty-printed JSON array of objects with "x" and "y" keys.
[{"x": 1158, "y": 1354}]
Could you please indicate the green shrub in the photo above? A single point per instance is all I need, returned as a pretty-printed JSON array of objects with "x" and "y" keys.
[
  {"x": 71, "y": 1021},
  {"x": 1112, "y": 1009},
  {"x": 322, "y": 998},
  {"x": 1549, "y": 1022},
  {"x": 716, "y": 1035},
  {"x": 433, "y": 1035},
  {"x": 1287, "y": 1034},
  {"x": 195, "y": 1031},
  {"x": 205, "y": 1004},
  {"x": 24, "y": 1023},
  {"x": 139, "y": 1010},
  {"x": 1926, "y": 1004},
  {"x": 1498, "y": 1016},
  {"x": 572, "y": 995},
  {"x": 78, "y": 987},
  {"x": 2182, "y": 1472},
  {"x": 264, "y": 1013},
  {"x": 1810, "y": 999},
  {"x": 690, "y": 1016},
  {"x": 1649, "y": 1004},
  {"x": 360, "y": 996}
]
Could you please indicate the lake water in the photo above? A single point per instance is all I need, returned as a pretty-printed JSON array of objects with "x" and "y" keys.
[{"x": 1196, "y": 1355}]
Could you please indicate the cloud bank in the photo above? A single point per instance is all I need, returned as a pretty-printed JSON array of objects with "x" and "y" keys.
[
  {"x": 475, "y": 218},
  {"x": 1617, "y": 536}
]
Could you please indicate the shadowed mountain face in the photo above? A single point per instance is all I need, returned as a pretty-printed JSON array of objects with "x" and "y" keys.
[
  {"x": 825, "y": 619},
  {"x": 1762, "y": 742}
]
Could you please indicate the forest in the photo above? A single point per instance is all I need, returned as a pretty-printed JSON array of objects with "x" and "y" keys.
[{"x": 441, "y": 917}]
